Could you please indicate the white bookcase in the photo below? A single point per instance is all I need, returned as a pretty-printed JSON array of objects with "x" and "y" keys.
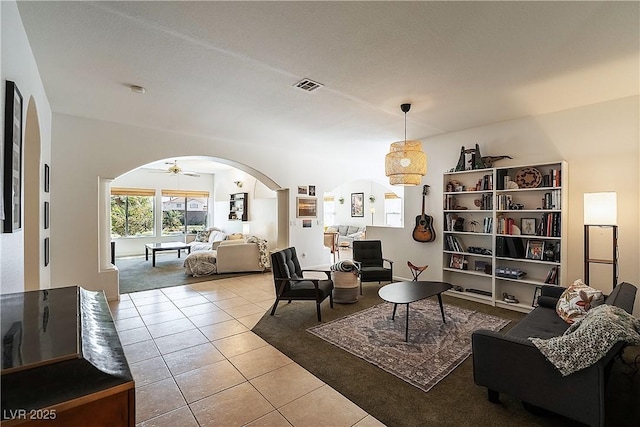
[{"x": 501, "y": 220}]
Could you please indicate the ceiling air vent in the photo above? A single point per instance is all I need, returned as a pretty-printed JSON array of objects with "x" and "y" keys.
[{"x": 308, "y": 85}]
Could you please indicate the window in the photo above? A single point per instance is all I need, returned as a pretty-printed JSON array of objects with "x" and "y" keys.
[
  {"x": 392, "y": 210},
  {"x": 131, "y": 212},
  {"x": 183, "y": 211},
  {"x": 329, "y": 211}
]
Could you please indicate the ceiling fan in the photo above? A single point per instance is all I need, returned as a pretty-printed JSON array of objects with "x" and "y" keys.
[{"x": 174, "y": 169}]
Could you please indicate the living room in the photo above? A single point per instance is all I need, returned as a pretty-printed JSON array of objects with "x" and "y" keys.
[{"x": 540, "y": 83}]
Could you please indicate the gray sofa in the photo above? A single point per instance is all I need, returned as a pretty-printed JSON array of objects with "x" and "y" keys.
[
  {"x": 347, "y": 233},
  {"x": 509, "y": 363}
]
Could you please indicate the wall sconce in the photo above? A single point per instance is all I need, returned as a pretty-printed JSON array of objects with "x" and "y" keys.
[
  {"x": 601, "y": 210},
  {"x": 239, "y": 184}
]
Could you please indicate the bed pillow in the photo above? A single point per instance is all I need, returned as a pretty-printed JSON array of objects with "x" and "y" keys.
[{"x": 576, "y": 300}]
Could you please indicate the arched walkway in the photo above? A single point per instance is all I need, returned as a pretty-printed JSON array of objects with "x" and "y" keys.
[{"x": 34, "y": 276}]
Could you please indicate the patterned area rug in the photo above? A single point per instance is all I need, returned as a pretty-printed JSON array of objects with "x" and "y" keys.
[{"x": 434, "y": 348}]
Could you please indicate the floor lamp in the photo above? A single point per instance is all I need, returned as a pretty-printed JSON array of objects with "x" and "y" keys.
[{"x": 600, "y": 210}]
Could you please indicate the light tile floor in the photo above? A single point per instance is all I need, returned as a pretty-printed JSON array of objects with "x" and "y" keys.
[{"x": 196, "y": 362}]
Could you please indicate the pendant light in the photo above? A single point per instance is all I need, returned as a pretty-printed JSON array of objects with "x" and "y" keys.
[{"x": 406, "y": 163}]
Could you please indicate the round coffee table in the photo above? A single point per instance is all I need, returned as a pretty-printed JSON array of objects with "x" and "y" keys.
[{"x": 408, "y": 292}]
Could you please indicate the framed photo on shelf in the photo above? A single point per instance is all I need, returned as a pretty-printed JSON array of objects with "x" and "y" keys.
[
  {"x": 306, "y": 207},
  {"x": 535, "y": 249},
  {"x": 12, "y": 167},
  {"x": 456, "y": 261},
  {"x": 357, "y": 204},
  {"x": 528, "y": 226}
]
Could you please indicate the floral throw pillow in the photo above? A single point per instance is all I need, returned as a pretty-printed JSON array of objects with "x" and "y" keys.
[
  {"x": 203, "y": 236},
  {"x": 576, "y": 300}
]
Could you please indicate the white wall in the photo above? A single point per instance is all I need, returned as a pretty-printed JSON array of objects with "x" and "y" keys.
[
  {"x": 261, "y": 202},
  {"x": 368, "y": 187},
  {"x": 18, "y": 65},
  {"x": 601, "y": 145}
]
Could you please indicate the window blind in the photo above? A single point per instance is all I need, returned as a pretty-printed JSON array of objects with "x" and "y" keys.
[
  {"x": 184, "y": 193},
  {"x": 118, "y": 191}
]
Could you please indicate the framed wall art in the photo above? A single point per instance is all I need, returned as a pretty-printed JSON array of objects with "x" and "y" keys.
[
  {"x": 46, "y": 215},
  {"x": 47, "y": 177},
  {"x": 357, "y": 204},
  {"x": 306, "y": 207},
  {"x": 12, "y": 167},
  {"x": 46, "y": 251}
]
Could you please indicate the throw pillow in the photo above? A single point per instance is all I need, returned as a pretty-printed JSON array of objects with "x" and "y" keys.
[
  {"x": 217, "y": 236},
  {"x": 234, "y": 236},
  {"x": 576, "y": 300},
  {"x": 203, "y": 236}
]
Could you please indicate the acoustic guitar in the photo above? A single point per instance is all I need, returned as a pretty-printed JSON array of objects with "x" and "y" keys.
[{"x": 423, "y": 231}]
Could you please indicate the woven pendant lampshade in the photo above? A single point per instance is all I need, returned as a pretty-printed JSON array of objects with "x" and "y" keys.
[{"x": 406, "y": 163}]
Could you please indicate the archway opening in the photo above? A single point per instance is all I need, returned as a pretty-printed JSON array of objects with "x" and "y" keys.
[
  {"x": 183, "y": 195},
  {"x": 34, "y": 197}
]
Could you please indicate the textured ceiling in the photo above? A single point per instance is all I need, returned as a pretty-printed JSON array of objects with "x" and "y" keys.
[{"x": 225, "y": 70}]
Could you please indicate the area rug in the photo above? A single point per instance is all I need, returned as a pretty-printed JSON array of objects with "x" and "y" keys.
[
  {"x": 136, "y": 274},
  {"x": 433, "y": 350}
]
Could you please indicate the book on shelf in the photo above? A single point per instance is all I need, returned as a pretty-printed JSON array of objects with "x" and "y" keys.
[
  {"x": 454, "y": 244},
  {"x": 549, "y": 225},
  {"x": 552, "y": 200},
  {"x": 552, "y": 276},
  {"x": 555, "y": 178}
]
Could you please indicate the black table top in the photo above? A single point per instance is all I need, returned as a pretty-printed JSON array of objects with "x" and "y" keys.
[
  {"x": 59, "y": 345},
  {"x": 406, "y": 292}
]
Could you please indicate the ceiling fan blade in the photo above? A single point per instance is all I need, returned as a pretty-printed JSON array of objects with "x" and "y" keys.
[{"x": 191, "y": 174}]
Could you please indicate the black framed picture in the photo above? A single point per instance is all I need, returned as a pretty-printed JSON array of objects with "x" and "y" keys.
[
  {"x": 12, "y": 167},
  {"x": 357, "y": 204},
  {"x": 46, "y": 215},
  {"x": 46, "y": 251},
  {"x": 528, "y": 226},
  {"x": 47, "y": 173}
]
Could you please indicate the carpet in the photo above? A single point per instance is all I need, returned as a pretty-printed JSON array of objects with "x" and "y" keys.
[
  {"x": 136, "y": 274},
  {"x": 433, "y": 350}
]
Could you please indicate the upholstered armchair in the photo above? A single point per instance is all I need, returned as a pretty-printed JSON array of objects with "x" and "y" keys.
[
  {"x": 367, "y": 256},
  {"x": 291, "y": 284}
]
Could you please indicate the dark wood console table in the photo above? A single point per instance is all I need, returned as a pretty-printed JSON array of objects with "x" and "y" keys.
[{"x": 62, "y": 361}]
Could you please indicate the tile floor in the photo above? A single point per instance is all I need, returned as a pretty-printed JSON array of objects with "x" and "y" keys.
[{"x": 196, "y": 362}]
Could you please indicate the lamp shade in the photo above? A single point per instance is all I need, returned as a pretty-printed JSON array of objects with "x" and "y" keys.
[
  {"x": 600, "y": 208},
  {"x": 406, "y": 163}
]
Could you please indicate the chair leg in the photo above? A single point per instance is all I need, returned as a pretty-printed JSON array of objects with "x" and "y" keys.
[
  {"x": 275, "y": 305},
  {"x": 318, "y": 310},
  {"x": 493, "y": 395},
  {"x": 331, "y": 299}
]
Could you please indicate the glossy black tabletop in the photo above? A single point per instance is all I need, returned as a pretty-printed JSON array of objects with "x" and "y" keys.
[
  {"x": 406, "y": 292},
  {"x": 58, "y": 345},
  {"x": 39, "y": 327}
]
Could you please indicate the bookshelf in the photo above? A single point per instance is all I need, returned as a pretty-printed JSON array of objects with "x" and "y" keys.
[
  {"x": 238, "y": 209},
  {"x": 503, "y": 231}
]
